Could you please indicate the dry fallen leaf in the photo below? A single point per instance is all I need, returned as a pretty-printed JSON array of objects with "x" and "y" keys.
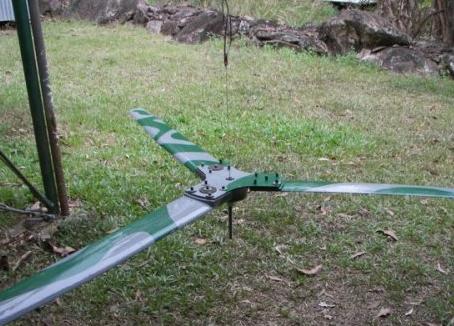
[
  {"x": 384, "y": 312},
  {"x": 75, "y": 203},
  {"x": 310, "y": 272},
  {"x": 441, "y": 270},
  {"x": 138, "y": 296},
  {"x": 323, "y": 210},
  {"x": 113, "y": 230},
  {"x": 200, "y": 241},
  {"x": 324, "y": 293},
  {"x": 326, "y": 305},
  {"x": 21, "y": 260},
  {"x": 280, "y": 248},
  {"x": 373, "y": 305},
  {"x": 344, "y": 216},
  {"x": 409, "y": 312},
  {"x": 247, "y": 302},
  {"x": 62, "y": 251},
  {"x": 143, "y": 202},
  {"x": 278, "y": 279},
  {"x": 275, "y": 278},
  {"x": 358, "y": 254},
  {"x": 389, "y": 233},
  {"x": 415, "y": 303}
]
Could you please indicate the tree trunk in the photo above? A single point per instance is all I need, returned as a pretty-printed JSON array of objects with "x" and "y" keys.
[
  {"x": 443, "y": 24},
  {"x": 404, "y": 14},
  {"x": 450, "y": 18}
]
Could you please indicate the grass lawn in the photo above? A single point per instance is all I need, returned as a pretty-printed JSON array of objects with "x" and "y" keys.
[{"x": 305, "y": 116}]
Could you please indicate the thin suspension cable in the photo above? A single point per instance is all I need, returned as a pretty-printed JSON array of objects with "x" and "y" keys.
[
  {"x": 227, "y": 44},
  {"x": 227, "y": 30},
  {"x": 227, "y": 20}
]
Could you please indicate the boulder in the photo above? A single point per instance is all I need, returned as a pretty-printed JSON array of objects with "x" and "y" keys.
[
  {"x": 189, "y": 24},
  {"x": 52, "y": 7},
  {"x": 401, "y": 59},
  {"x": 448, "y": 64},
  {"x": 353, "y": 30},
  {"x": 107, "y": 11},
  {"x": 199, "y": 28},
  {"x": 184, "y": 23},
  {"x": 154, "y": 26},
  {"x": 299, "y": 39}
]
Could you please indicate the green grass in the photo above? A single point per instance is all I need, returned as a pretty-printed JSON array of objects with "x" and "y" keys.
[
  {"x": 287, "y": 111},
  {"x": 292, "y": 12}
]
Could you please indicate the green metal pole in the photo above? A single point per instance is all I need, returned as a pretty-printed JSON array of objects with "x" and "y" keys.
[
  {"x": 41, "y": 60},
  {"x": 36, "y": 101}
]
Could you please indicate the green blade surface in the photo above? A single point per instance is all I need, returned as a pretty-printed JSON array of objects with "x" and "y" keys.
[
  {"x": 366, "y": 188},
  {"x": 184, "y": 151},
  {"x": 97, "y": 258}
]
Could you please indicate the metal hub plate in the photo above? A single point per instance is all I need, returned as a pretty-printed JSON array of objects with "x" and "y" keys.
[{"x": 213, "y": 189}]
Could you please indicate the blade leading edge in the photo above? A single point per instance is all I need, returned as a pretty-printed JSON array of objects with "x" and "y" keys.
[
  {"x": 97, "y": 258},
  {"x": 366, "y": 188},
  {"x": 184, "y": 151}
]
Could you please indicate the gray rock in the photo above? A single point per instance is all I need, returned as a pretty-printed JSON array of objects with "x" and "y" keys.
[
  {"x": 52, "y": 7},
  {"x": 306, "y": 39},
  {"x": 353, "y": 30},
  {"x": 199, "y": 28},
  {"x": 141, "y": 13},
  {"x": 170, "y": 27},
  {"x": 401, "y": 59},
  {"x": 154, "y": 26},
  {"x": 107, "y": 11},
  {"x": 447, "y": 64}
]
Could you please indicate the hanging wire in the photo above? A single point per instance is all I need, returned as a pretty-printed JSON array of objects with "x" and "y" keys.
[
  {"x": 227, "y": 22},
  {"x": 227, "y": 19}
]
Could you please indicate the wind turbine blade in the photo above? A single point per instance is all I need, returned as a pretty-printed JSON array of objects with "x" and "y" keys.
[
  {"x": 97, "y": 258},
  {"x": 366, "y": 188},
  {"x": 184, "y": 151}
]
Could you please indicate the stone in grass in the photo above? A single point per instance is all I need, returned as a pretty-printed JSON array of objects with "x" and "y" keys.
[
  {"x": 107, "y": 11},
  {"x": 154, "y": 26},
  {"x": 353, "y": 30},
  {"x": 401, "y": 59},
  {"x": 201, "y": 27}
]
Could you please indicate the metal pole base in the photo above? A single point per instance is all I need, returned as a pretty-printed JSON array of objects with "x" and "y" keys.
[{"x": 230, "y": 210}]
